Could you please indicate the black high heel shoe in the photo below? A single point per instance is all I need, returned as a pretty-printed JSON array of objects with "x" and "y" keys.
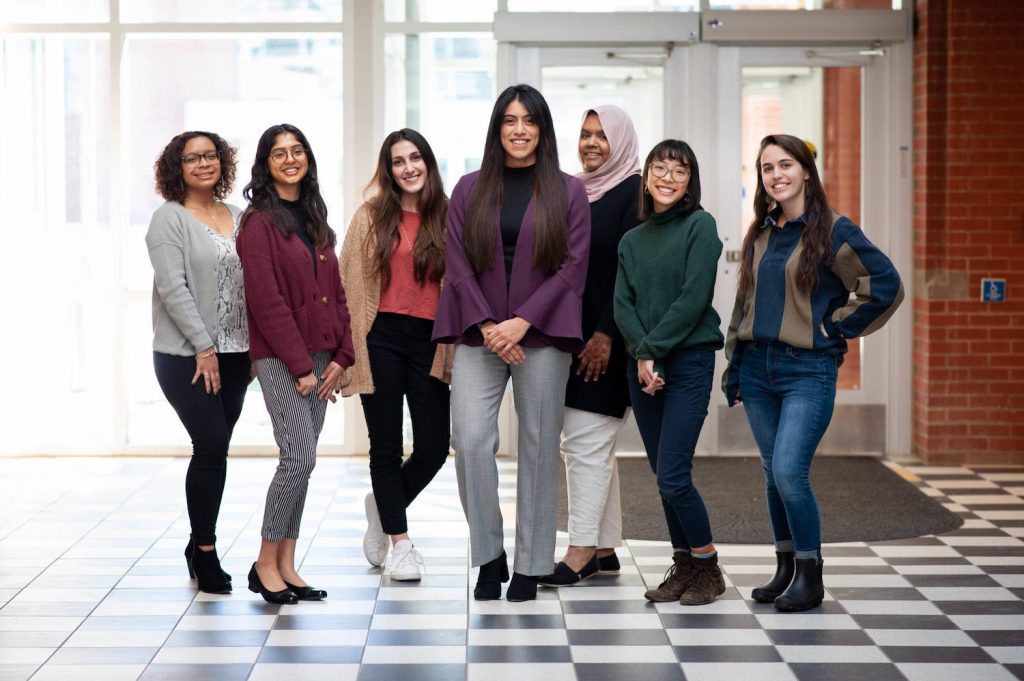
[
  {"x": 283, "y": 597},
  {"x": 488, "y": 581},
  {"x": 208, "y": 573},
  {"x": 307, "y": 593},
  {"x": 190, "y": 551}
]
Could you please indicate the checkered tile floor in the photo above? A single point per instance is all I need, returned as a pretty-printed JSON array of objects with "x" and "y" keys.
[{"x": 93, "y": 586}]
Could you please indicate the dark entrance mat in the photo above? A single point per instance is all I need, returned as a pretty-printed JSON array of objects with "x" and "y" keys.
[{"x": 859, "y": 497}]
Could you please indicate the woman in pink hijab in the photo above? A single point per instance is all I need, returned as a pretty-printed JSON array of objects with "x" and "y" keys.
[{"x": 596, "y": 396}]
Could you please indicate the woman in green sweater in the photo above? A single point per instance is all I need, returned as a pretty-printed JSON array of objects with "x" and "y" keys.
[{"x": 663, "y": 292}]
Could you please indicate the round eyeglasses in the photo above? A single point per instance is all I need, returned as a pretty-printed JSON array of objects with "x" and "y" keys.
[{"x": 678, "y": 174}]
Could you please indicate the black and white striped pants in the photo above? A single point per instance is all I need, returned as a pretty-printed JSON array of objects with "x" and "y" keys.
[{"x": 297, "y": 423}]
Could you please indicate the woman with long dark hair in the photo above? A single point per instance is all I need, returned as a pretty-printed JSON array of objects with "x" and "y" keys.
[
  {"x": 794, "y": 313},
  {"x": 392, "y": 263},
  {"x": 596, "y": 397},
  {"x": 663, "y": 294},
  {"x": 518, "y": 236},
  {"x": 200, "y": 335},
  {"x": 300, "y": 341}
]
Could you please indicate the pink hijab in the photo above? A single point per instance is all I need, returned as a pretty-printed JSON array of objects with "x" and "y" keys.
[{"x": 623, "y": 160}]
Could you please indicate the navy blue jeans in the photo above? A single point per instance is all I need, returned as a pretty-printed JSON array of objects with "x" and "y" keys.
[
  {"x": 669, "y": 424},
  {"x": 788, "y": 394}
]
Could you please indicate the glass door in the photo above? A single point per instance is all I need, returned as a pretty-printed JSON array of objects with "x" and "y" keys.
[{"x": 836, "y": 101}]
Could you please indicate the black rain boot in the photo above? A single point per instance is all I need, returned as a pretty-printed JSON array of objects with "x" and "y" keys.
[
  {"x": 777, "y": 584},
  {"x": 807, "y": 589},
  {"x": 488, "y": 581}
]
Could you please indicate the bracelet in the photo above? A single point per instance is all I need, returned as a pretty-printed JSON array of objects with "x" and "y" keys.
[{"x": 211, "y": 353}]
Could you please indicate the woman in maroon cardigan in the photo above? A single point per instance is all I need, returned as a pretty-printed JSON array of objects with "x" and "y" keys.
[
  {"x": 299, "y": 337},
  {"x": 517, "y": 243}
]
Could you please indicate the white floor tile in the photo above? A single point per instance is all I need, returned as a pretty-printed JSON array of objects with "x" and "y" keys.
[
  {"x": 414, "y": 655},
  {"x": 623, "y": 654},
  {"x": 738, "y": 671},
  {"x": 206, "y": 655},
  {"x": 832, "y": 654},
  {"x": 304, "y": 672},
  {"x": 521, "y": 672}
]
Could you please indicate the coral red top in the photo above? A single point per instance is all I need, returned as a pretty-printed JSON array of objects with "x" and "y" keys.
[{"x": 404, "y": 295}]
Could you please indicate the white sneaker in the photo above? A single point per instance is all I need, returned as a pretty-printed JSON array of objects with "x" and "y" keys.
[
  {"x": 375, "y": 542},
  {"x": 406, "y": 562}
]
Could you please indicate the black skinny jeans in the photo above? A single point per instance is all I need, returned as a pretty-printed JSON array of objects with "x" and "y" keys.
[
  {"x": 209, "y": 420},
  {"x": 401, "y": 354}
]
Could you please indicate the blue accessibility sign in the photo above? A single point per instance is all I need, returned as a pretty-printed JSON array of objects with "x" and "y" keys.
[{"x": 993, "y": 290}]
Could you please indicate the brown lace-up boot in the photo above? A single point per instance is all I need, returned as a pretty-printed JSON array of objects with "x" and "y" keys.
[
  {"x": 677, "y": 578},
  {"x": 707, "y": 583}
]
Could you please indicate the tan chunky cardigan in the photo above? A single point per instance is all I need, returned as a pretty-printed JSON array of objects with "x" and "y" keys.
[{"x": 362, "y": 291}]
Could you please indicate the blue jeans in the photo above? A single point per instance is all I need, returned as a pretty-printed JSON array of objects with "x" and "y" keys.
[
  {"x": 669, "y": 424},
  {"x": 788, "y": 394}
]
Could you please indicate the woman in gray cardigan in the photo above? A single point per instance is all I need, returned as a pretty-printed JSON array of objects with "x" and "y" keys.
[{"x": 200, "y": 333}]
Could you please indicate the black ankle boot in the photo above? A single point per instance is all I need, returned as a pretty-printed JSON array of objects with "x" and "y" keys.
[
  {"x": 807, "y": 589},
  {"x": 521, "y": 588},
  {"x": 190, "y": 551},
  {"x": 208, "y": 572},
  {"x": 777, "y": 584},
  {"x": 488, "y": 581}
]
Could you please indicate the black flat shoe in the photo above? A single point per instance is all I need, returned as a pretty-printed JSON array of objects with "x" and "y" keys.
[
  {"x": 609, "y": 564},
  {"x": 282, "y": 597},
  {"x": 190, "y": 550},
  {"x": 307, "y": 593},
  {"x": 488, "y": 581},
  {"x": 521, "y": 588},
  {"x": 566, "y": 576}
]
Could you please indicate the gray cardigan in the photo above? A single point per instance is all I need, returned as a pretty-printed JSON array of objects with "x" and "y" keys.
[{"x": 184, "y": 261}]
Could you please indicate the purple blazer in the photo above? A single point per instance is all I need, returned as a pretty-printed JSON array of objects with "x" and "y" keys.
[{"x": 551, "y": 303}]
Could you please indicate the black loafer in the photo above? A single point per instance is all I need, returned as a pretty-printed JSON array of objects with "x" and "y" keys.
[
  {"x": 521, "y": 588},
  {"x": 307, "y": 593},
  {"x": 566, "y": 576},
  {"x": 609, "y": 564}
]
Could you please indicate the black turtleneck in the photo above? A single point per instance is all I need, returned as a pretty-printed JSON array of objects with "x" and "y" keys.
[
  {"x": 294, "y": 208},
  {"x": 518, "y": 190}
]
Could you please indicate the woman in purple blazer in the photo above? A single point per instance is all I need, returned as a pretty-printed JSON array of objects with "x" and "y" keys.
[{"x": 518, "y": 239}]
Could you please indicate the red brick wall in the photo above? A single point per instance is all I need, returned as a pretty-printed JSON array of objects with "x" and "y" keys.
[{"x": 968, "y": 224}]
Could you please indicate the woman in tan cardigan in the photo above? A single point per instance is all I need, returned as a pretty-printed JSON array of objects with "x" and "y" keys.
[{"x": 392, "y": 263}]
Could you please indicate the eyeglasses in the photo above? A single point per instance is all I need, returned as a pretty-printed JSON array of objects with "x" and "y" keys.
[
  {"x": 281, "y": 155},
  {"x": 192, "y": 160},
  {"x": 679, "y": 173}
]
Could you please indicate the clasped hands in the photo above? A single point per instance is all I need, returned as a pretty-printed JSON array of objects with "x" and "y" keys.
[
  {"x": 330, "y": 384},
  {"x": 503, "y": 338},
  {"x": 646, "y": 374}
]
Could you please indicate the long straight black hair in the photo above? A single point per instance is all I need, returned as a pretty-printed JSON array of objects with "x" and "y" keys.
[
  {"x": 262, "y": 196},
  {"x": 385, "y": 205},
  {"x": 551, "y": 243}
]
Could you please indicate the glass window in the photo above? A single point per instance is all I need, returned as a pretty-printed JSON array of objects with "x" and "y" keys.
[
  {"x": 235, "y": 86},
  {"x": 570, "y": 90},
  {"x": 231, "y": 10},
  {"x": 55, "y": 11},
  {"x": 604, "y": 6},
  {"x": 442, "y": 85},
  {"x": 440, "y": 10},
  {"x": 806, "y": 4},
  {"x": 59, "y": 258}
]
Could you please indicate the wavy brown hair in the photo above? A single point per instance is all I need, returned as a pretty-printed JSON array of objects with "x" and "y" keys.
[
  {"x": 170, "y": 178},
  {"x": 817, "y": 236},
  {"x": 551, "y": 244},
  {"x": 262, "y": 195},
  {"x": 384, "y": 202}
]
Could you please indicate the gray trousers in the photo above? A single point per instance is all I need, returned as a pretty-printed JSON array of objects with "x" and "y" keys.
[
  {"x": 479, "y": 378},
  {"x": 297, "y": 423}
]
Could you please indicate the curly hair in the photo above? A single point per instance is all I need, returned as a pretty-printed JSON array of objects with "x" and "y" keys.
[{"x": 170, "y": 180}]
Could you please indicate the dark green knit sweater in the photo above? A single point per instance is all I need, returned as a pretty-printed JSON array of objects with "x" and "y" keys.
[{"x": 665, "y": 283}]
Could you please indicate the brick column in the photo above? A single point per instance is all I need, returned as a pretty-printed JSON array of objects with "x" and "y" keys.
[{"x": 968, "y": 224}]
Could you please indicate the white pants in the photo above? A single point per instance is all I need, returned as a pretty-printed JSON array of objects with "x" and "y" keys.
[{"x": 592, "y": 478}]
